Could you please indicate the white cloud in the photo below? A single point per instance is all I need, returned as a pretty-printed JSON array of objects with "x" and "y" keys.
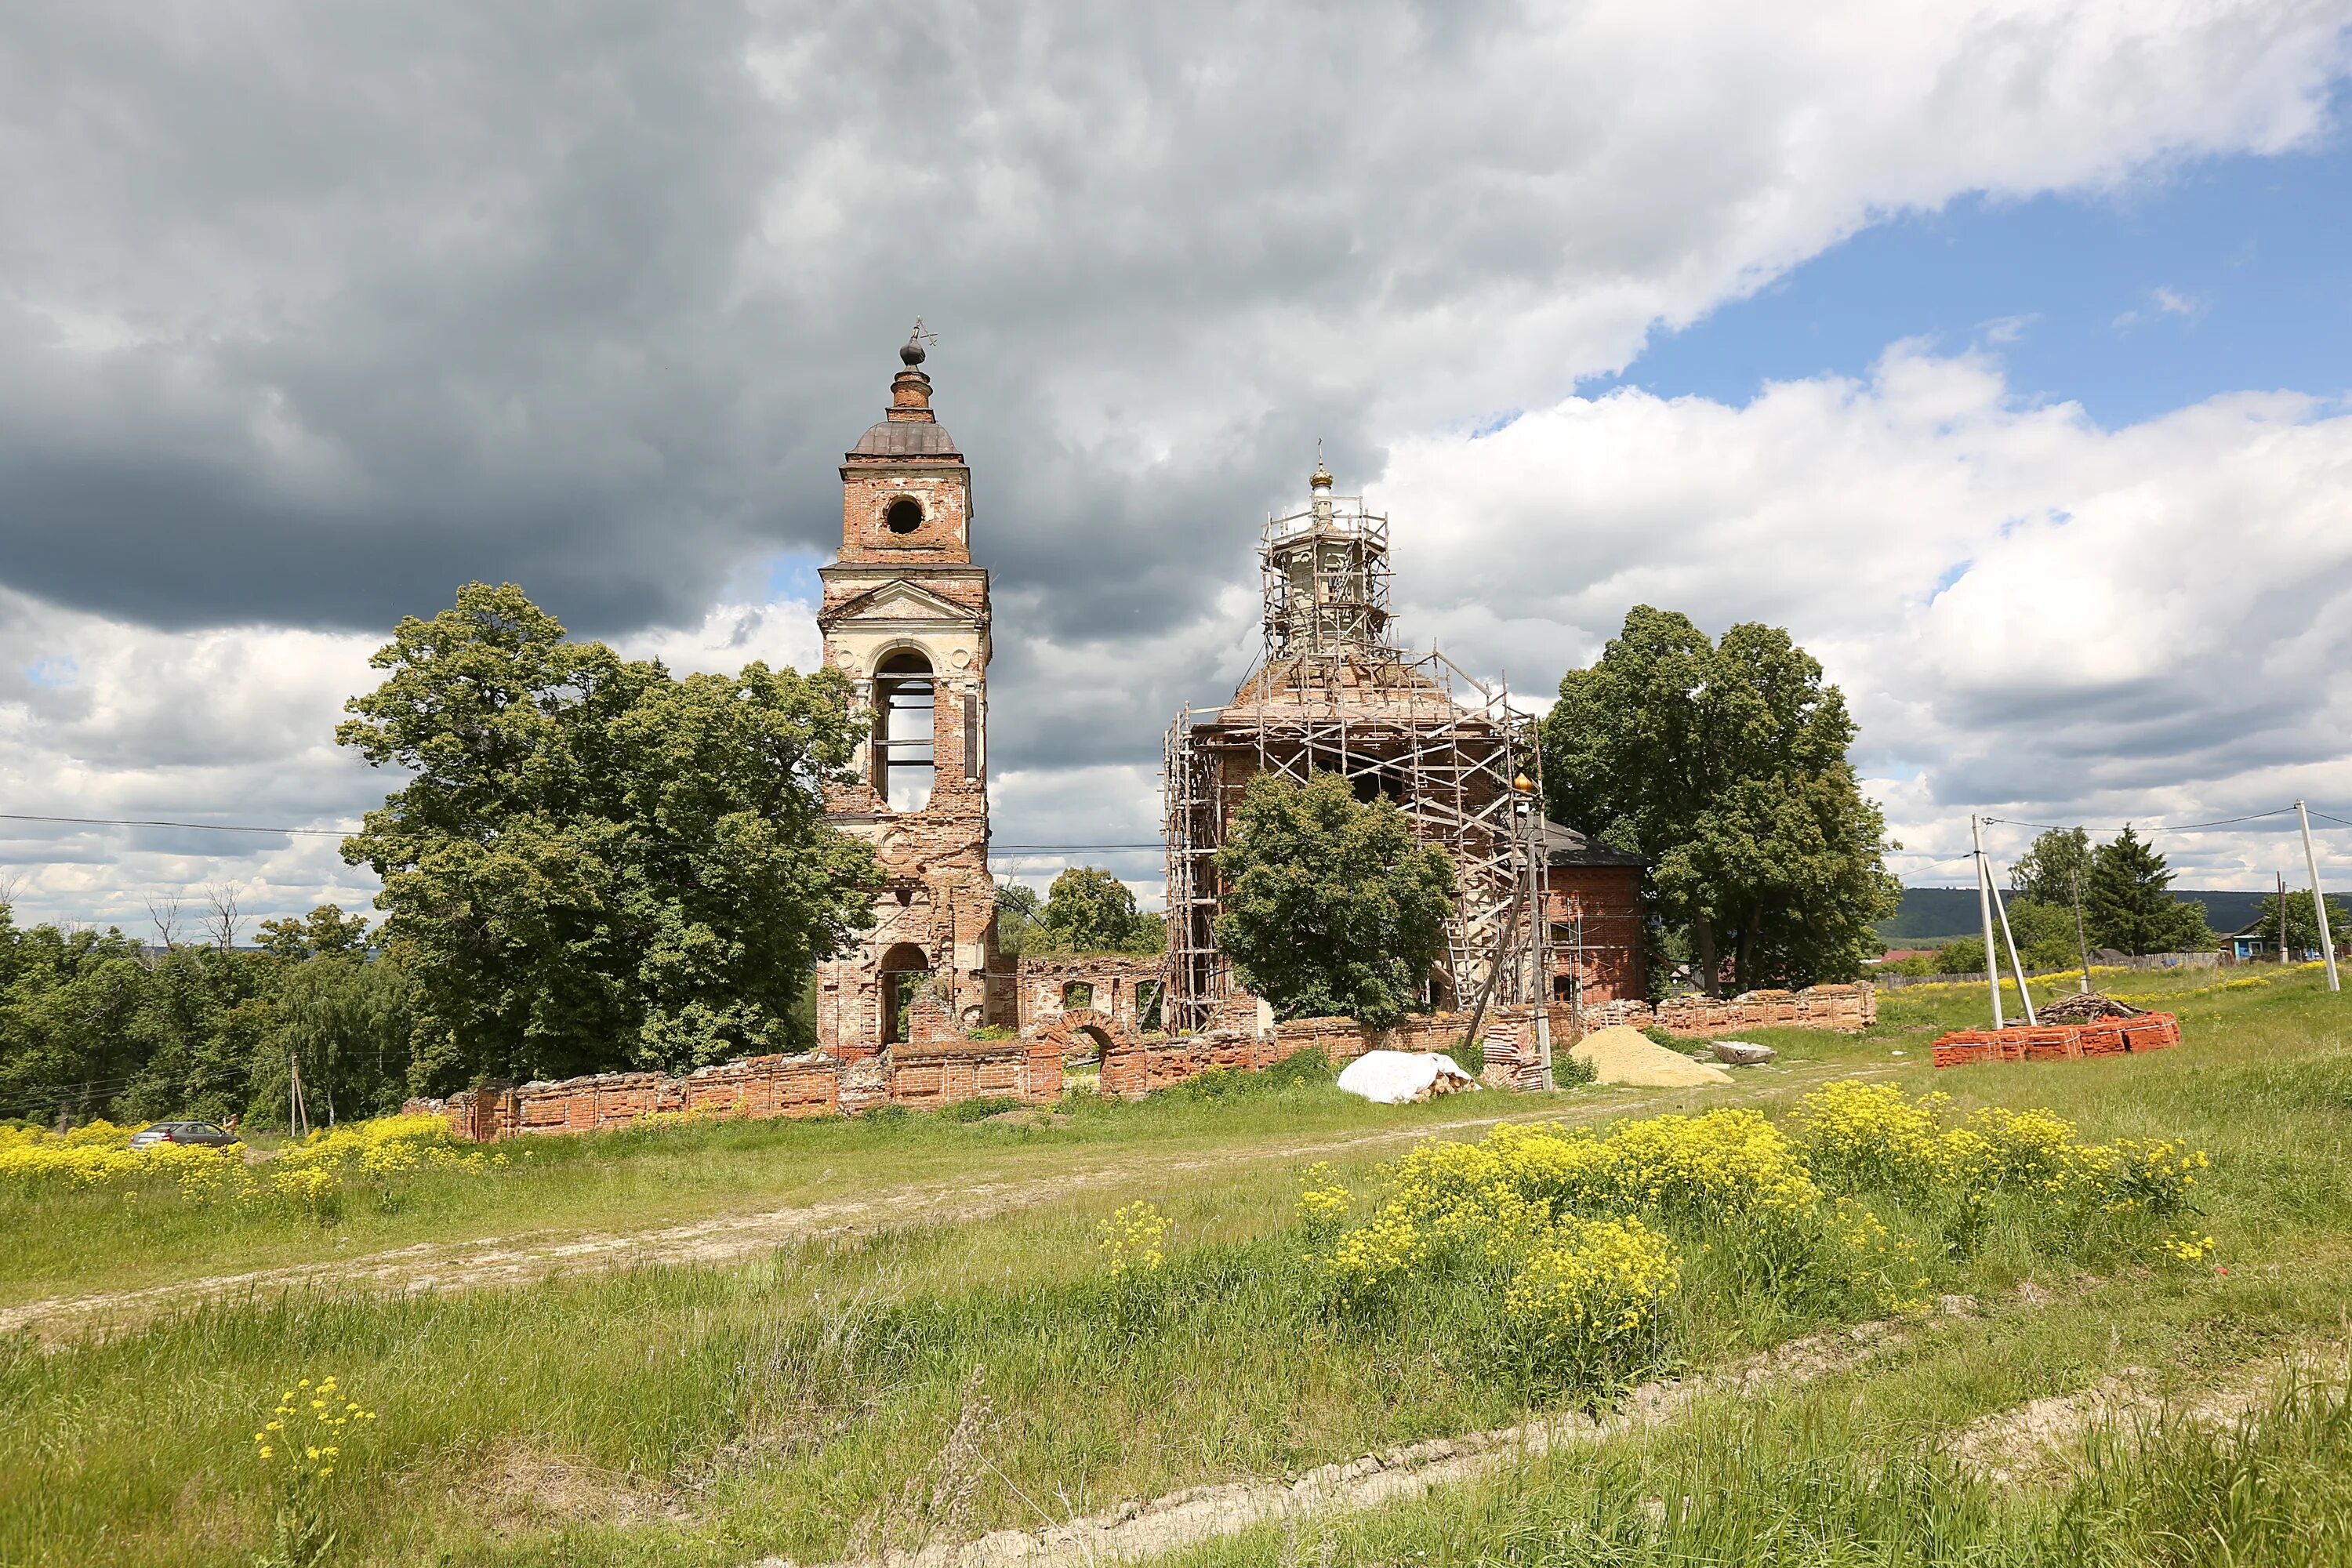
[
  {"x": 593, "y": 305},
  {"x": 2031, "y": 615}
]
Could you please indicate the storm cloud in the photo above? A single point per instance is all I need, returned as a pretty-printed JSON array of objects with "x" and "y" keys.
[{"x": 309, "y": 314}]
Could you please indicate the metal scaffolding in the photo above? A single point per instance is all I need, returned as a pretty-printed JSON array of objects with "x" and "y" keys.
[{"x": 1329, "y": 694}]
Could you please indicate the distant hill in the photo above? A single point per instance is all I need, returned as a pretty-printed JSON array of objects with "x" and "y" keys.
[{"x": 1938, "y": 914}]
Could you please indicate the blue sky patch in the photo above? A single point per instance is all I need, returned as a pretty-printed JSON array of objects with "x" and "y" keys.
[{"x": 2224, "y": 275}]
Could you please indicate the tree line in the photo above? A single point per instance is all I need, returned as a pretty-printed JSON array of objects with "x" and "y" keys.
[
  {"x": 98, "y": 1023},
  {"x": 594, "y": 863},
  {"x": 2067, "y": 894}
]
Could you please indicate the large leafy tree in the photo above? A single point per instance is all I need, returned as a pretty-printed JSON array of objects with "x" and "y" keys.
[
  {"x": 2047, "y": 872},
  {"x": 1088, "y": 910},
  {"x": 1330, "y": 907},
  {"x": 596, "y": 864},
  {"x": 2128, "y": 904},
  {"x": 1725, "y": 764}
]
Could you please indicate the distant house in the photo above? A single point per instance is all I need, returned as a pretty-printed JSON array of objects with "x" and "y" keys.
[
  {"x": 2254, "y": 945},
  {"x": 1897, "y": 954},
  {"x": 2243, "y": 946}
]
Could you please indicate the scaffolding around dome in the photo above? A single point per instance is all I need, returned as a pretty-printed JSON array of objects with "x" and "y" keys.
[{"x": 1331, "y": 694}]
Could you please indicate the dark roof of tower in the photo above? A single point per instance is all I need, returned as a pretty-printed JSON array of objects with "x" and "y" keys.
[
  {"x": 1567, "y": 847},
  {"x": 906, "y": 438}
]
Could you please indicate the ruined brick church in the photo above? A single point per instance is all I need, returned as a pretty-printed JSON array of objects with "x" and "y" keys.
[
  {"x": 1544, "y": 915},
  {"x": 1547, "y": 927}
]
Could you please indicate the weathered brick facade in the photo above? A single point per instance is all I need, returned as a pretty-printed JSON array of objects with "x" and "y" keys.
[
  {"x": 1844, "y": 1009},
  {"x": 906, "y": 616},
  {"x": 1128, "y": 990}
]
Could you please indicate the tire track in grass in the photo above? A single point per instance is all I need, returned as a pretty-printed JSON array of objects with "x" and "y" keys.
[
  {"x": 492, "y": 1262},
  {"x": 1139, "y": 1529}
]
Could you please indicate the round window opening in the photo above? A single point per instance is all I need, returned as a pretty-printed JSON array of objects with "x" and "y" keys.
[{"x": 903, "y": 515}]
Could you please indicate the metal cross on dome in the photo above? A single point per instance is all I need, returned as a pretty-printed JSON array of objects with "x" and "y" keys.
[{"x": 919, "y": 338}]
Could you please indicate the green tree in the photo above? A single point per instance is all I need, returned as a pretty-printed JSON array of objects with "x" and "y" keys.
[
  {"x": 1017, "y": 909},
  {"x": 327, "y": 931},
  {"x": 67, "y": 1022},
  {"x": 1725, "y": 765},
  {"x": 2051, "y": 867},
  {"x": 2127, "y": 904},
  {"x": 2302, "y": 925},
  {"x": 348, "y": 1018},
  {"x": 1088, "y": 910},
  {"x": 1331, "y": 906},
  {"x": 596, "y": 864}
]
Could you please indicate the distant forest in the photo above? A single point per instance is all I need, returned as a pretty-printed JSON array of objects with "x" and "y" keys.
[{"x": 1938, "y": 914}]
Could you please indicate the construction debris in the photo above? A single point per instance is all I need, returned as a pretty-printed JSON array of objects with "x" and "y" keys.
[
  {"x": 1742, "y": 1053},
  {"x": 2087, "y": 1007}
]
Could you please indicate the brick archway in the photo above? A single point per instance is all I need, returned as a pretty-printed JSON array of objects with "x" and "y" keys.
[{"x": 1085, "y": 1034}]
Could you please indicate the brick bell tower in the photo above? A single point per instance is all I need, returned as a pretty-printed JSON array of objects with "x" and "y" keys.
[{"x": 905, "y": 617}]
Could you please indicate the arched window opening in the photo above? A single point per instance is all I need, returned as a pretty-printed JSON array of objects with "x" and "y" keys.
[
  {"x": 1077, "y": 994},
  {"x": 903, "y": 703},
  {"x": 1149, "y": 995},
  {"x": 1379, "y": 783},
  {"x": 903, "y": 515},
  {"x": 905, "y": 971}
]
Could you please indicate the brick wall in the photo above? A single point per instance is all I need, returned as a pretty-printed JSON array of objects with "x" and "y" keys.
[
  {"x": 1131, "y": 1068},
  {"x": 1845, "y": 1009},
  {"x": 1113, "y": 978},
  {"x": 759, "y": 1087},
  {"x": 926, "y": 1077}
]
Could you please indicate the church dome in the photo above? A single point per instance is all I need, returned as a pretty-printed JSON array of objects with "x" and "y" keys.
[{"x": 906, "y": 438}]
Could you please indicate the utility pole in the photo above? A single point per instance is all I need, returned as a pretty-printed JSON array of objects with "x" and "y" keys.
[
  {"x": 2281, "y": 919},
  {"x": 2318, "y": 899},
  {"x": 1984, "y": 907},
  {"x": 2025, "y": 991},
  {"x": 2082, "y": 942},
  {"x": 298, "y": 1115}
]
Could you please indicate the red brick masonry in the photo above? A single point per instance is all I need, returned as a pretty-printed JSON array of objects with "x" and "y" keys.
[
  {"x": 2059, "y": 1042},
  {"x": 1844, "y": 1009},
  {"x": 756, "y": 1088}
]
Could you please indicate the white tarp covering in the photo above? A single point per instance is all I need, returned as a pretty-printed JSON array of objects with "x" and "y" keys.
[{"x": 1400, "y": 1077}]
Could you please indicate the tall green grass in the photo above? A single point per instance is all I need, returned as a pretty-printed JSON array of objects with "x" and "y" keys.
[{"x": 811, "y": 1401}]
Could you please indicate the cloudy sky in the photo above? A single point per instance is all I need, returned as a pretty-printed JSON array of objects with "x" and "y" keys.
[{"x": 1997, "y": 350}]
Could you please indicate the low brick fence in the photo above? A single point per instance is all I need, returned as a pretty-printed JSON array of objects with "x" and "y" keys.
[
  {"x": 1844, "y": 1009},
  {"x": 928, "y": 1077},
  {"x": 2059, "y": 1042},
  {"x": 1134, "y": 1067},
  {"x": 759, "y": 1087}
]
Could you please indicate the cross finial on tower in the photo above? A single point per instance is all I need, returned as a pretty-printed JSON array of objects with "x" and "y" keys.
[
  {"x": 1320, "y": 478},
  {"x": 912, "y": 353}
]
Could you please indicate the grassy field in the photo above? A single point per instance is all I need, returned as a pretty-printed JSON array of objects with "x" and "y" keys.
[{"x": 938, "y": 1377}]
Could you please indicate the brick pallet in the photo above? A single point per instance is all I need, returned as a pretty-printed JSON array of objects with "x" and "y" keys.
[{"x": 2059, "y": 1042}]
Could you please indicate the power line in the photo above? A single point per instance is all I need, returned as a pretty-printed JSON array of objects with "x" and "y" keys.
[
  {"x": 1153, "y": 845},
  {"x": 2149, "y": 826},
  {"x": 201, "y": 826}
]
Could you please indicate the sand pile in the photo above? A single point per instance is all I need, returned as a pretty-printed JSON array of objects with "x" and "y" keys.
[{"x": 1623, "y": 1054}]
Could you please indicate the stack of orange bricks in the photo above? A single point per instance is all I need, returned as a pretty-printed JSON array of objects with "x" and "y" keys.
[{"x": 2059, "y": 1042}]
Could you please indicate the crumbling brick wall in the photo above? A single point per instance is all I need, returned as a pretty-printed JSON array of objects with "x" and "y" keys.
[
  {"x": 757, "y": 1088},
  {"x": 1114, "y": 980},
  {"x": 1131, "y": 1068},
  {"x": 928, "y": 1077},
  {"x": 1845, "y": 1009}
]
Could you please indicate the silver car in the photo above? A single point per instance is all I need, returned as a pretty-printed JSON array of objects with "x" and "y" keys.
[{"x": 203, "y": 1135}]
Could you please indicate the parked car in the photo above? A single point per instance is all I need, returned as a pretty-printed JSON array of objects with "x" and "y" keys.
[{"x": 203, "y": 1135}]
